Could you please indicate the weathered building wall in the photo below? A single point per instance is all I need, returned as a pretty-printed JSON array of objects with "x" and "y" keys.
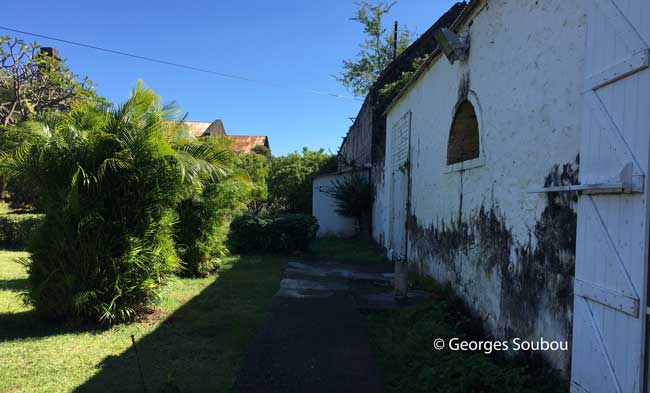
[
  {"x": 356, "y": 149},
  {"x": 510, "y": 254},
  {"x": 364, "y": 144}
]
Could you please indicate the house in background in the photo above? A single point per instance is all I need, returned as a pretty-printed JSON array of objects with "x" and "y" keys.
[{"x": 242, "y": 144}]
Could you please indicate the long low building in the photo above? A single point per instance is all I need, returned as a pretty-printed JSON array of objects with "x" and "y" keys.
[{"x": 514, "y": 169}]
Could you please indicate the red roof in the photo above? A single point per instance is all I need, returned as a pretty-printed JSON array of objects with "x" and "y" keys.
[
  {"x": 246, "y": 143},
  {"x": 197, "y": 128},
  {"x": 240, "y": 143}
]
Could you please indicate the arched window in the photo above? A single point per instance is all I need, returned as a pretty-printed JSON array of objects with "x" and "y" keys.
[{"x": 463, "y": 138}]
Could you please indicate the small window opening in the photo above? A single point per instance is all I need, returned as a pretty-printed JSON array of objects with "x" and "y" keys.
[{"x": 463, "y": 137}]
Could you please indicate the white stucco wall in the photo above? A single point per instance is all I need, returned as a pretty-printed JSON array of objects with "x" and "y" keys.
[
  {"x": 524, "y": 75},
  {"x": 323, "y": 208}
]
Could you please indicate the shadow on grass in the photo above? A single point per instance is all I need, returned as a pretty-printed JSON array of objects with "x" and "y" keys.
[
  {"x": 16, "y": 284},
  {"x": 28, "y": 324},
  {"x": 199, "y": 347}
]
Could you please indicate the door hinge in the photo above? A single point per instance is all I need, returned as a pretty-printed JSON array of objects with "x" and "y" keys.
[{"x": 626, "y": 183}]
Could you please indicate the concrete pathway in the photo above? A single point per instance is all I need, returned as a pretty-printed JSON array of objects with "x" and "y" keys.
[{"x": 314, "y": 339}]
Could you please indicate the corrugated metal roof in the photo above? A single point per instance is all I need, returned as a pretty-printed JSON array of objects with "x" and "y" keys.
[
  {"x": 197, "y": 128},
  {"x": 245, "y": 143},
  {"x": 240, "y": 143}
]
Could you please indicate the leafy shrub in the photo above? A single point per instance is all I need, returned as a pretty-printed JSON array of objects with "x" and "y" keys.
[
  {"x": 16, "y": 229},
  {"x": 249, "y": 232},
  {"x": 255, "y": 168},
  {"x": 20, "y": 195},
  {"x": 109, "y": 186},
  {"x": 293, "y": 232},
  {"x": 289, "y": 180},
  {"x": 286, "y": 233},
  {"x": 201, "y": 231}
]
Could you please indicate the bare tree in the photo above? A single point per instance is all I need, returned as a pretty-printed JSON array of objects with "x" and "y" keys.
[{"x": 34, "y": 80}]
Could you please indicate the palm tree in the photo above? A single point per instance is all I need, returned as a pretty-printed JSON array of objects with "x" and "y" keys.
[{"x": 109, "y": 181}]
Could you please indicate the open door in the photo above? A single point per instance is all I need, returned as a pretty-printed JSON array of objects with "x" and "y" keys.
[
  {"x": 399, "y": 186},
  {"x": 609, "y": 321}
]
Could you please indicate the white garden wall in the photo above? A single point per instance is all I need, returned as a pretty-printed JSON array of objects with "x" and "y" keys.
[{"x": 331, "y": 224}]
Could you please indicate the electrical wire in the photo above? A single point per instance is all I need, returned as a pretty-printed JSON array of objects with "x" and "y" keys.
[{"x": 179, "y": 65}]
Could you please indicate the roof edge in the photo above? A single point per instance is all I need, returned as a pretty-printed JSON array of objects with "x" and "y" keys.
[{"x": 462, "y": 19}]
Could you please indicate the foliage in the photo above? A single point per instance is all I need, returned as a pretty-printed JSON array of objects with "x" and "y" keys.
[
  {"x": 200, "y": 325},
  {"x": 255, "y": 166},
  {"x": 263, "y": 151},
  {"x": 284, "y": 233},
  {"x": 390, "y": 90},
  {"x": 352, "y": 195},
  {"x": 17, "y": 229},
  {"x": 202, "y": 227},
  {"x": 403, "y": 342},
  {"x": 109, "y": 180},
  {"x": 376, "y": 50},
  {"x": 207, "y": 209},
  {"x": 20, "y": 195},
  {"x": 32, "y": 82},
  {"x": 289, "y": 180}
]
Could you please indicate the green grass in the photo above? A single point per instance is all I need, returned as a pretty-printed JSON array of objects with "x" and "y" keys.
[
  {"x": 403, "y": 343},
  {"x": 193, "y": 341},
  {"x": 348, "y": 250}
]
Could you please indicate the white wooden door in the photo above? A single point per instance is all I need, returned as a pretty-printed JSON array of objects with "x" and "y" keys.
[
  {"x": 609, "y": 318},
  {"x": 400, "y": 133}
]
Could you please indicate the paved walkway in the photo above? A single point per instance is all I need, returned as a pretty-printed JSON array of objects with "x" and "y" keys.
[{"x": 314, "y": 339}]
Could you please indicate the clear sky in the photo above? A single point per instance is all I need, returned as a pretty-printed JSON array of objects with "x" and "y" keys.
[{"x": 295, "y": 44}]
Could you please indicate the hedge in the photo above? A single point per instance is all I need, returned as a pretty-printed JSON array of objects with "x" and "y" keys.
[
  {"x": 286, "y": 233},
  {"x": 16, "y": 229}
]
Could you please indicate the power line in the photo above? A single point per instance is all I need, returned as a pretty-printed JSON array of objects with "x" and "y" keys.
[{"x": 179, "y": 65}]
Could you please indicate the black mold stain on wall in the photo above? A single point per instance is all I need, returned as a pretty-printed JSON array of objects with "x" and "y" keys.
[
  {"x": 533, "y": 273},
  {"x": 545, "y": 272}
]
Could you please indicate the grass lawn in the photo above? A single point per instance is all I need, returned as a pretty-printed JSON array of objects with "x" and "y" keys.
[
  {"x": 193, "y": 342},
  {"x": 403, "y": 343},
  {"x": 348, "y": 250}
]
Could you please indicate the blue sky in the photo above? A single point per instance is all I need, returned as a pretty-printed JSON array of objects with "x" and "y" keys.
[{"x": 295, "y": 44}]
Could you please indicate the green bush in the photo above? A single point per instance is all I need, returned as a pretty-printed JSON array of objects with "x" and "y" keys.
[
  {"x": 201, "y": 231},
  {"x": 293, "y": 232},
  {"x": 286, "y": 233},
  {"x": 16, "y": 229},
  {"x": 290, "y": 179},
  {"x": 109, "y": 187},
  {"x": 249, "y": 233},
  {"x": 19, "y": 194}
]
